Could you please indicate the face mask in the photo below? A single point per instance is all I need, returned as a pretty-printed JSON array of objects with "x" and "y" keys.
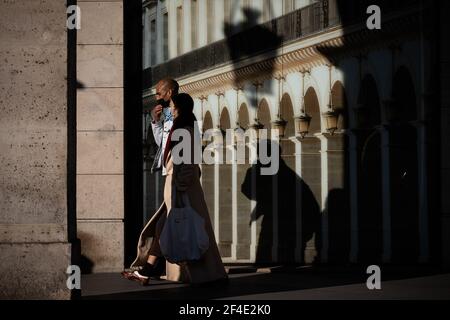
[{"x": 163, "y": 103}]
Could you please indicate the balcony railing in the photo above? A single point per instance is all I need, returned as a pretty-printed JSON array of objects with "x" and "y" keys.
[{"x": 269, "y": 36}]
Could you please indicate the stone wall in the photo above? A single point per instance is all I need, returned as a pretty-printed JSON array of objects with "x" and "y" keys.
[
  {"x": 445, "y": 129},
  {"x": 100, "y": 186},
  {"x": 34, "y": 249}
]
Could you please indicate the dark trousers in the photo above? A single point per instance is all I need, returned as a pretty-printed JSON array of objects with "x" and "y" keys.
[{"x": 155, "y": 249}]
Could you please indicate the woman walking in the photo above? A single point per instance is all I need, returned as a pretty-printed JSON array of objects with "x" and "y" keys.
[{"x": 184, "y": 178}]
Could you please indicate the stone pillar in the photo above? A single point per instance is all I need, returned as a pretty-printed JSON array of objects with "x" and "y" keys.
[
  {"x": 217, "y": 191},
  {"x": 275, "y": 218},
  {"x": 422, "y": 143},
  {"x": 159, "y": 34},
  {"x": 386, "y": 193},
  {"x": 444, "y": 105},
  {"x": 299, "y": 249},
  {"x": 308, "y": 168},
  {"x": 100, "y": 180},
  {"x": 254, "y": 224},
  {"x": 219, "y": 20},
  {"x": 172, "y": 12},
  {"x": 333, "y": 168},
  {"x": 203, "y": 22},
  {"x": 34, "y": 242},
  {"x": 187, "y": 26},
  {"x": 234, "y": 203},
  {"x": 147, "y": 54},
  {"x": 354, "y": 163}
]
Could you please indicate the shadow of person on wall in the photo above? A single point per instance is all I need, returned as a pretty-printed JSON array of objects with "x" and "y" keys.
[
  {"x": 292, "y": 199},
  {"x": 338, "y": 210}
]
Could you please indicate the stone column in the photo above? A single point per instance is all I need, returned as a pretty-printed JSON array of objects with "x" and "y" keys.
[
  {"x": 299, "y": 249},
  {"x": 100, "y": 180},
  {"x": 219, "y": 20},
  {"x": 386, "y": 193},
  {"x": 147, "y": 54},
  {"x": 187, "y": 26},
  {"x": 203, "y": 22},
  {"x": 332, "y": 160},
  {"x": 34, "y": 241},
  {"x": 159, "y": 34},
  {"x": 172, "y": 12},
  {"x": 234, "y": 208},
  {"x": 308, "y": 164},
  {"x": 444, "y": 106},
  {"x": 254, "y": 224},
  {"x": 354, "y": 163},
  {"x": 422, "y": 143},
  {"x": 217, "y": 191}
]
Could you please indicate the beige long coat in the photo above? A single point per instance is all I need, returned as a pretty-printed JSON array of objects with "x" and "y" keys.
[{"x": 186, "y": 178}]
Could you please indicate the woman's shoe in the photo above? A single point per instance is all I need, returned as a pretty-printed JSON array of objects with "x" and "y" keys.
[{"x": 152, "y": 271}]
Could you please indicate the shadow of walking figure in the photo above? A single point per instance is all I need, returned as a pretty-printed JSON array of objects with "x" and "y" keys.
[{"x": 295, "y": 230}]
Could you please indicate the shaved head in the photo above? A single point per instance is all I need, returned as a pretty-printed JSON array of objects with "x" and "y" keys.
[{"x": 169, "y": 84}]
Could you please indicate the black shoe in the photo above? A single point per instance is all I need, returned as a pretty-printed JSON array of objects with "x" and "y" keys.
[{"x": 153, "y": 271}]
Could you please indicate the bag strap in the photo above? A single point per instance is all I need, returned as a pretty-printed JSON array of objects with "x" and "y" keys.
[{"x": 184, "y": 198}]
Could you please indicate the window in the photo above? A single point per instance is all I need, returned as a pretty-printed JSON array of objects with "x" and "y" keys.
[
  {"x": 194, "y": 24},
  {"x": 179, "y": 30}
]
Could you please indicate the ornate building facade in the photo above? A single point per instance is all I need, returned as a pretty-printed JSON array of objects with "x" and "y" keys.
[{"x": 357, "y": 184}]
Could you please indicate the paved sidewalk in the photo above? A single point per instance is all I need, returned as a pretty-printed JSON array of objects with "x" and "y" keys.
[{"x": 282, "y": 284}]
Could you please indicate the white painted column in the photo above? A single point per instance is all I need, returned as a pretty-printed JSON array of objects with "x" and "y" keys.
[
  {"x": 324, "y": 196},
  {"x": 217, "y": 190},
  {"x": 274, "y": 218},
  {"x": 298, "y": 202},
  {"x": 277, "y": 7},
  {"x": 234, "y": 210},
  {"x": 254, "y": 238},
  {"x": 203, "y": 22},
  {"x": 219, "y": 20},
  {"x": 172, "y": 12},
  {"x": 258, "y": 6},
  {"x": 354, "y": 230},
  {"x": 187, "y": 43},
  {"x": 386, "y": 194}
]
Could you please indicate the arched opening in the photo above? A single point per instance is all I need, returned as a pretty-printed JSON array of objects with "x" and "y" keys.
[
  {"x": 404, "y": 95},
  {"x": 243, "y": 117},
  {"x": 263, "y": 114},
  {"x": 369, "y": 178},
  {"x": 339, "y": 103},
  {"x": 207, "y": 177},
  {"x": 312, "y": 108},
  {"x": 404, "y": 172},
  {"x": 225, "y": 192}
]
